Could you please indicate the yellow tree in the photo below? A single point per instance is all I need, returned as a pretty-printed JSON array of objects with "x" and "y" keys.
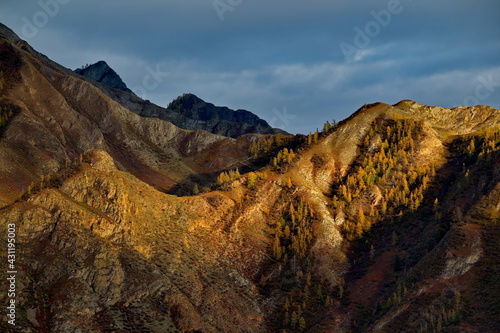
[{"x": 252, "y": 179}]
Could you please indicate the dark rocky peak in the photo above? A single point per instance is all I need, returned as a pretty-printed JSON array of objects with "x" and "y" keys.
[
  {"x": 191, "y": 106},
  {"x": 101, "y": 72}
]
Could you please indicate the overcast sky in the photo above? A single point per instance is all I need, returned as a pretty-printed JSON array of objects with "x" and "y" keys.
[{"x": 294, "y": 63}]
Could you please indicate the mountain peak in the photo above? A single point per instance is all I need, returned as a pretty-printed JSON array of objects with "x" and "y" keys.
[
  {"x": 195, "y": 108},
  {"x": 407, "y": 103},
  {"x": 103, "y": 73},
  {"x": 188, "y": 100}
]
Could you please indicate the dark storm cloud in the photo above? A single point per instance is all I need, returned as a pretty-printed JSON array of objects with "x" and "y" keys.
[{"x": 282, "y": 55}]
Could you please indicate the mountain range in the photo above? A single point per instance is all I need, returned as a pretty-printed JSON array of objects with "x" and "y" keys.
[
  {"x": 388, "y": 221},
  {"x": 187, "y": 111}
]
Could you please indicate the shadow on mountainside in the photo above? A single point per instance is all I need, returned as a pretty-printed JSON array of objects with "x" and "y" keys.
[{"x": 400, "y": 253}]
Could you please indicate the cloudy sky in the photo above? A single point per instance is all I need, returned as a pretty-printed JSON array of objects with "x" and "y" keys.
[{"x": 294, "y": 63}]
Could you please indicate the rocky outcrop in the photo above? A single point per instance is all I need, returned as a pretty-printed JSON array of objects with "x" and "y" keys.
[
  {"x": 195, "y": 108},
  {"x": 217, "y": 119},
  {"x": 101, "y": 72}
]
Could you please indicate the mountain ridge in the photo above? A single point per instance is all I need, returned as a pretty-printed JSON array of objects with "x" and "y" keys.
[
  {"x": 87, "y": 119},
  {"x": 187, "y": 111},
  {"x": 196, "y": 108}
]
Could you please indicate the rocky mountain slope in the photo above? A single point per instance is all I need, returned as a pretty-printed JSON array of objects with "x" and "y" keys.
[
  {"x": 387, "y": 221},
  {"x": 101, "y": 72},
  {"x": 187, "y": 111},
  {"x": 52, "y": 116}
]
